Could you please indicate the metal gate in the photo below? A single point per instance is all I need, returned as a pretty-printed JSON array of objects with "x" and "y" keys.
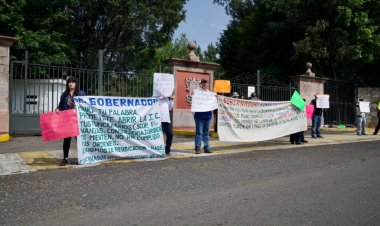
[
  {"x": 267, "y": 88},
  {"x": 342, "y": 102},
  {"x": 36, "y": 89}
]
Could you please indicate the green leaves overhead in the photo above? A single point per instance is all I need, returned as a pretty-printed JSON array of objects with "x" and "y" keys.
[
  {"x": 340, "y": 38},
  {"x": 74, "y": 30}
]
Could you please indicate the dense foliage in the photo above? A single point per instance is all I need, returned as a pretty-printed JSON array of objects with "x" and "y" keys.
[
  {"x": 340, "y": 37},
  {"x": 72, "y": 31}
]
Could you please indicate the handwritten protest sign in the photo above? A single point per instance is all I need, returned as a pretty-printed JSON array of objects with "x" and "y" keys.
[
  {"x": 222, "y": 86},
  {"x": 203, "y": 101},
  {"x": 59, "y": 125},
  {"x": 364, "y": 106},
  {"x": 251, "y": 89},
  {"x": 163, "y": 84},
  {"x": 309, "y": 111},
  {"x": 116, "y": 127},
  {"x": 245, "y": 121},
  {"x": 323, "y": 101},
  {"x": 297, "y": 100}
]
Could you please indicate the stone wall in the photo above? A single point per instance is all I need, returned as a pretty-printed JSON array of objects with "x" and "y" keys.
[{"x": 373, "y": 96}]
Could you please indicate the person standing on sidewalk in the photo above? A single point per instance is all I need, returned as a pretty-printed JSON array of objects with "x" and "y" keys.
[
  {"x": 202, "y": 125},
  {"x": 360, "y": 120},
  {"x": 316, "y": 119},
  {"x": 166, "y": 105},
  {"x": 66, "y": 103},
  {"x": 378, "y": 123}
]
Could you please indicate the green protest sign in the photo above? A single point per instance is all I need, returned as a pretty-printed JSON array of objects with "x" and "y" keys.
[
  {"x": 378, "y": 106},
  {"x": 298, "y": 101}
]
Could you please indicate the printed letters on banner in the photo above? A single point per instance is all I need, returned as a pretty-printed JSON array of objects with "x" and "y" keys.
[
  {"x": 163, "y": 84},
  {"x": 203, "y": 101},
  {"x": 117, "y": 127},
  {"x": 247, "y": 121}
]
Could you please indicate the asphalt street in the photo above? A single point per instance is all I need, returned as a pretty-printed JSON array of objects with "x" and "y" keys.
[{"x": 311, "y": 185}]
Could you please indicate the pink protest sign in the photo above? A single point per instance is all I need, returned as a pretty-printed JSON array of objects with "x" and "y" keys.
[
  {"x": 309, "y": 111},
  {"x": 59, "y": 125}
]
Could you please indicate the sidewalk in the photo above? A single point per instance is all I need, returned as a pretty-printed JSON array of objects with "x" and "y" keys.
[{"x": 27, "y": 154}]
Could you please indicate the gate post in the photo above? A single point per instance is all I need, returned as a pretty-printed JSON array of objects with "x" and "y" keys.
[
  {"x": 100, "y": 72},
  {"x": 5, "y": 44},
  {"x": 187, "y": 72}
]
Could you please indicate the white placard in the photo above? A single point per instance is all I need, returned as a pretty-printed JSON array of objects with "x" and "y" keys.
[
  {"x": 203, "y": 101},
  {"x": 251, "y": 89},
  {"x": 323, "y": 101},
  {"x": 163, "y": 84},
  {"x": 246, "y": 121},
  {"x": 364, "y": 106},
  {"x": 117, "y": 127}
]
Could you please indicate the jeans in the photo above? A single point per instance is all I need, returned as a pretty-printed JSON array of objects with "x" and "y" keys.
[
  {"x": 202, "y": 126},
  {"x": 316, "y": 125},
  {"x": 167, "y": 128},
  {"x": 361, "y": 122}
]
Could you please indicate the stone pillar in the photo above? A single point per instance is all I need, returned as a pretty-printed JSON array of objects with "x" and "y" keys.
[
  {"x": 187, "y": 71},
  {"x": 5, "y": 43},
  {"x": 309, "y": 84}
]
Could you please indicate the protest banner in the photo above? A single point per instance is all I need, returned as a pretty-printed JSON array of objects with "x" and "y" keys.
[
  {"x": 117, "y": 127},
  {"x": 323, "y": 101},
  {"x": 203, "y": 101},
  {"x": 59, "y": 125},
  {"x": 246, "y": 121},
  {"x": 309, "y": 111},
  {"x": 163, "y": 84},
  {"x": 364, "y": 106}
]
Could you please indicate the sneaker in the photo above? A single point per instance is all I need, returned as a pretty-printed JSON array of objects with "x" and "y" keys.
[
  {"x": 198, "y": 151},
  {"x": 313, "y": 137},
  {"x": 358, "y": 134},
  {"x": 304, "y": 141},
  {"x": 319, "y": 136},
  {"x": 64, "y": 162},
  {"x": 364, "y": 134}
]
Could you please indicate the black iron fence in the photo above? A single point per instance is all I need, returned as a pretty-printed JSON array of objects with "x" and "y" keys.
[{"x": 342, "y": 102}]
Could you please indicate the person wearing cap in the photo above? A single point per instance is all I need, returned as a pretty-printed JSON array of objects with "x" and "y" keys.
[
  {"x": 66, "y": 103},
  {"x": 235, "y": 95},
  {"x": 316, "y": 119},
  {"x": 202, "y": 125}
]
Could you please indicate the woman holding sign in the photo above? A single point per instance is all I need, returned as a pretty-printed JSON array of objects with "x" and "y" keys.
[{"x": 66, "y": 103}]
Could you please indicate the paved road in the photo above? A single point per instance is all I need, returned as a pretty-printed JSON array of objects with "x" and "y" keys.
[{"x": 327, "y": 185}]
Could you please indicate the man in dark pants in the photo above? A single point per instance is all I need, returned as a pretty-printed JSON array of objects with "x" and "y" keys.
[{"x": 316, "y": 120}]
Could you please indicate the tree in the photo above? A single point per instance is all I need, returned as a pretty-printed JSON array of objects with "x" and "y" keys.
[
  {"x": 74, "y": 30},
  {"x": 340, "y": 38}
]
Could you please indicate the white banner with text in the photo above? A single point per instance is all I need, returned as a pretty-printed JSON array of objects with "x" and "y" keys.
[
  {"x": 246, "y": 121},
  {"x": 118, "y": 127}
]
